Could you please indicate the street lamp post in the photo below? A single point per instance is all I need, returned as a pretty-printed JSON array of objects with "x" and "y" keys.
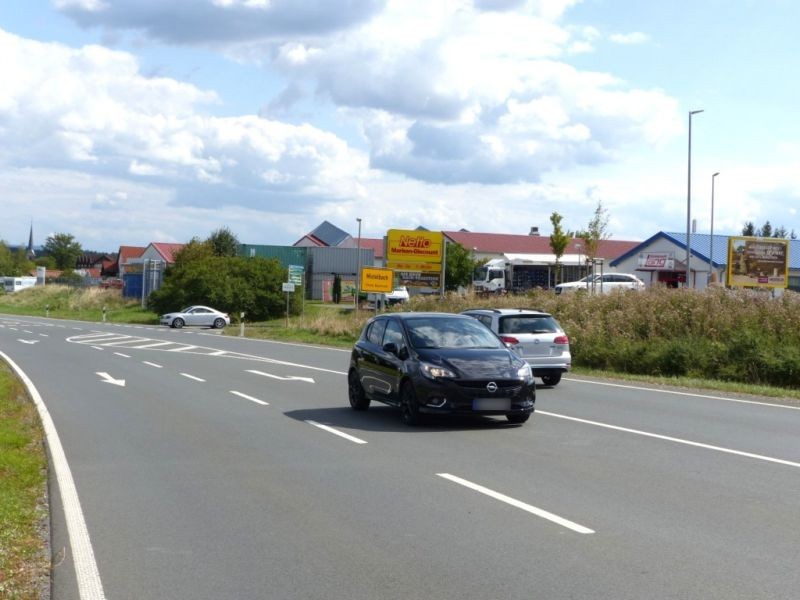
[
  {"x": 358, "y": 263},
  {"x": 689, "y": 199},
  {"x": 711, "y": 250}
]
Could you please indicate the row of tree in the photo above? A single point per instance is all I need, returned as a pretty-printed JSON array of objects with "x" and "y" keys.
[{"x": 61, "y": 251}]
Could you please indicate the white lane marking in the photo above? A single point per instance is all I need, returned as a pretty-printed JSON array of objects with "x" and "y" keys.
[
  {"x": 152, "y": 364},
  {"x": 668, "y": 438},
  {"x": 122, "y": 355},
  {"x": 28, "y": 341},
  {"x": 337, "y": 432},
  {"x": 97, "y": 348},
  {"x": 77, "y": 328},
  {"x": 90, "y": 587},
  {"x": 246, "y": 397},
  {"x": 154, "y": 345},
  {"x": 218, "y": 353},
  {"x": 193, "y": 377},
  {"x": 44, "y": 335},
  {"x": 182, "y": 348},
  {"x": 279, "y": 377},
  {"x": 518, "y": 504},
  {"x": 109, "y": 379},
  {"x": 312, "y": 346},
  {"x": 26, "y": 331},
  {"x": 677, "y": 393},
  {"x": 130, "y": 340}
]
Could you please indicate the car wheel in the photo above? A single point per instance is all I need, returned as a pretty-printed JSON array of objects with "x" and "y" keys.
[
  {"x": 177, "y": 323},
  {"x": 551, "y": 379},
  {"x": 518, "y": 417},
  {"x": 408, "y": 404},
  {"x": 219, "y": 323},
  {"x": 358, "y": 399}
]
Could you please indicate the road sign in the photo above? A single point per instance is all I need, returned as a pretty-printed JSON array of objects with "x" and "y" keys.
[
  {"x": 288, "y": 287},
  {"x": 296, "y": 274},
  {"x": 377, "y": 280}
]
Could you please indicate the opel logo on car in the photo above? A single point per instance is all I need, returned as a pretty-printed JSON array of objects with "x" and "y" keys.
[{"x": 491, "y": 387}]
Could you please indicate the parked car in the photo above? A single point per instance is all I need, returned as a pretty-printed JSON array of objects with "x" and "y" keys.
[
  {"x": 602, "y": 284},
  {"x": 398, "y": 295},
  {"x": 196, "y": 315},
  {"x": 535, "y": 335},
  {"x": 438, "y": 363}
]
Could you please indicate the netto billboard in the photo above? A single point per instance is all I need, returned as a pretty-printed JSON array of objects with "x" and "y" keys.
[
  {"x": 758, "y": 262},
  {"x": 412, "y": 246},
  {"x": 416, "y": 256}
]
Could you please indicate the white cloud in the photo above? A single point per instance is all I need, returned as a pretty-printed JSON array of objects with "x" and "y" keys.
[
  {"x": 91, "y": 109},
  {"x": 636, "y": 37}
]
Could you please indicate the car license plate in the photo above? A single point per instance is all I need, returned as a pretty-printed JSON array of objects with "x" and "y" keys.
[{"x": 491, "y": 404}]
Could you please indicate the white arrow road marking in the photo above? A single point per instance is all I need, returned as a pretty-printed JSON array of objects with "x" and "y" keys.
[
  {"x": 28, "y": 341},
  {"x": 341, "y": 434},
  {"x": 109, "y": 379},
  {"x": 246, "y": 397},
  {"x": 287, "y": 378},
  {"x": 516, "y": 503}
]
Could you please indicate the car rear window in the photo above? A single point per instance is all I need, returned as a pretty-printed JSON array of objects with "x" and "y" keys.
[{"x": 528, "y": 324}]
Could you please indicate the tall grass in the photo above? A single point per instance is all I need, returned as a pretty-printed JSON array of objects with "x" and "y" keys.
[
  {"x": 24, "y": 564},
  {"x": 730, "y": 335},
  {"x": 76, "y": 303}
]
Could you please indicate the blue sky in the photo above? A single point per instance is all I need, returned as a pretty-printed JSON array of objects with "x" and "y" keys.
[{"x": 131, "y": 121}]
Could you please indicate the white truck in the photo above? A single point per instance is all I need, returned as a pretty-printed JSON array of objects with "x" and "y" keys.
[{"x": 512, "y": 274}]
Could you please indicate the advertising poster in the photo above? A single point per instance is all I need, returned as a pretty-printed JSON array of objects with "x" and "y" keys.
[{"x": 758, "y": 262}]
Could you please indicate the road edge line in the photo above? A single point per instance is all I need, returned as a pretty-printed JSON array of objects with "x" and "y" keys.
[{"x": 90, "y": 587}]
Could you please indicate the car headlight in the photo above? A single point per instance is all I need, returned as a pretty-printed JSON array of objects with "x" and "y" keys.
[
  {"x": 525, "y": 373},
  {"x": 435, "y": 372}
]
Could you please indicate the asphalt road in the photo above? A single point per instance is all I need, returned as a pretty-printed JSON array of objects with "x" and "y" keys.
[{"x": 234, "y": 468}]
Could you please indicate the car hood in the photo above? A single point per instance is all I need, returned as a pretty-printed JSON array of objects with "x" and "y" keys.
[{"x": 475, "y": 363}]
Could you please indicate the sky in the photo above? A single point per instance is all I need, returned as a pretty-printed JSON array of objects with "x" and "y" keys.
[{"x": 125, "y": 122}]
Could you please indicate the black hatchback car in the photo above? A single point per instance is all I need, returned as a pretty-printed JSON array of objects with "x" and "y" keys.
[{"x": 438, "y": 363}]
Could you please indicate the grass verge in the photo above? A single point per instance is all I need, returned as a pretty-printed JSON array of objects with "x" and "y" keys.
[{"x": 24, "y": 560}]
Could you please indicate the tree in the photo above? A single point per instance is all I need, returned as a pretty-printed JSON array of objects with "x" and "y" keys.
[
  {"x": 558, "y": 241},
  {"x": 230, "y": 284},
  {"x": 459, "y": 266},
  {"x": 6, "y": 260},
  {"x": 224, "y": 243},
  {"x": 595, "y": 232},
  {"x": 64, "y": 249},
  {"x": 766, "y": 230},
  {"x": 193, "y": 251}
]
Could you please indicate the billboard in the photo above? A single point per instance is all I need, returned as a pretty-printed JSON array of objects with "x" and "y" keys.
[
  {"x": 417, "y": 257},
  {"x": 413, "y": 246},
  {"x": 758, "y": 262}
]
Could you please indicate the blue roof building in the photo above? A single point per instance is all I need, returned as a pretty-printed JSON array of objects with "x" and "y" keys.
[{"x": 662, "y": 259}]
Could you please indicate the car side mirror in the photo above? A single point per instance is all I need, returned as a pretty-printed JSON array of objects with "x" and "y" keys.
[{"x": 390, "y": 347}]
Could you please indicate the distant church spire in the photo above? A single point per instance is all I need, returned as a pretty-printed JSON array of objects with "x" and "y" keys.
[{"x": 31, "y": 252}]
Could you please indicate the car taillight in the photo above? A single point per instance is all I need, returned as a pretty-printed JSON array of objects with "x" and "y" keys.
[
  {"x": 510, "y": 341},
  {"x": 561, "y": 339}
]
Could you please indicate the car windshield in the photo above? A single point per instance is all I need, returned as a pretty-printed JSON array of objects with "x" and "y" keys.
[
  {"x": 528, "y": 324},
  {"x": 444, "y": 332}
]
